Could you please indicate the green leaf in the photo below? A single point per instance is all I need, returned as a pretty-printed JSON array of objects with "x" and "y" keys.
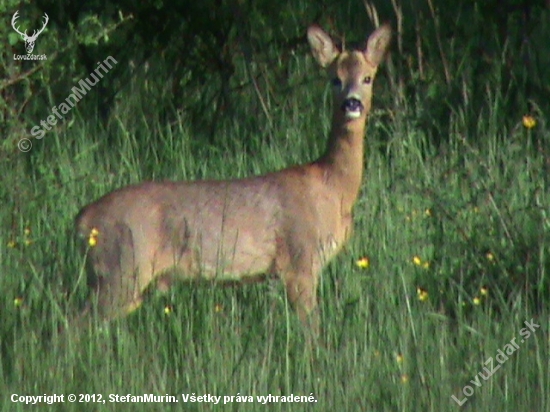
[{"x": 13, "y": 38}]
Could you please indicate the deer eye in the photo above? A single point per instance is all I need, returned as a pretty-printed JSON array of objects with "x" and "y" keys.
[
  {"x": 367, "y": 80},
  {"x": 336, "y": 82}
]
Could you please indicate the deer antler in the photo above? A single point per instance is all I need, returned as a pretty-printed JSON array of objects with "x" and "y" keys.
[
  {"x": 46, "y": 19},
  {"x": 15, "y": 17}
]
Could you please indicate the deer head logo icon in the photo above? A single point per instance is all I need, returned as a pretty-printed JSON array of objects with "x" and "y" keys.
[{"x": 29, "y": 40}]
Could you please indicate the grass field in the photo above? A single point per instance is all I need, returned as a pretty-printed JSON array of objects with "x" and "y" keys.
[{"x": 449, "y": 259}]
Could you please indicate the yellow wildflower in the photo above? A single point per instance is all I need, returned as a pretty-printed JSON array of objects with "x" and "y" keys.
[
  {"x": 419, "y": 262},
  {"x": 404, "y": 378},
  {"x": 529, "y": 121},
  {"x": 363, "y": 263},
  {"x": 18, "y": 301},
  {"x": 27, "y": 232},
  {"x": 218, "y": 308},
  {"x": 476, "y": 301},
  {"x": 484, "y": 291},
  {"x": 92, "y": 239},
  {"x": 422, "y": 294},
  {"x": 399, "y": 358},
  {"x": 168, "y": 309}
]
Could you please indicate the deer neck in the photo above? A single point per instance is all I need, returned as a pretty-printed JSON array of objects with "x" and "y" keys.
[{"x": 343, "y": 160}]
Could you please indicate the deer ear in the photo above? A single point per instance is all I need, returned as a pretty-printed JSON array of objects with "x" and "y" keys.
[
  {"x": 322, "y": 46},
  {"x": 377, "y": 44}
]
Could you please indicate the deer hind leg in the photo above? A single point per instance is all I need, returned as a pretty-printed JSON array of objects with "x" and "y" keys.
[{"x": 115, "y": 280}]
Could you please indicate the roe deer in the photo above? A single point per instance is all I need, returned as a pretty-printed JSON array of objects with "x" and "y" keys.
[{"x": 287, "y": 223}]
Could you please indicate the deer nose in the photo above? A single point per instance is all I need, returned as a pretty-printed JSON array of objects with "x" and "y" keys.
[{"x": 352, "y": 107}]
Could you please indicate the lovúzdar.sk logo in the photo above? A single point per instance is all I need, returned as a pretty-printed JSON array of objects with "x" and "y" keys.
[{"x": 29, "y": 40}]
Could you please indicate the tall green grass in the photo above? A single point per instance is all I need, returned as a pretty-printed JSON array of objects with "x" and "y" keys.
[{"x": 456, "y": 236}]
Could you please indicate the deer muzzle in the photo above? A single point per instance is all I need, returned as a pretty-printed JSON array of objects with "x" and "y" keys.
[{"x": 352, "y": 107}]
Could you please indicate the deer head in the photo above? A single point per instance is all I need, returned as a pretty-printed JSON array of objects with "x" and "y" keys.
[{"x": 29, "y": 40}]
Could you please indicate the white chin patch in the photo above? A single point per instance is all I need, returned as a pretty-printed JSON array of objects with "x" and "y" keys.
[{"x": 353, "y": 115}]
